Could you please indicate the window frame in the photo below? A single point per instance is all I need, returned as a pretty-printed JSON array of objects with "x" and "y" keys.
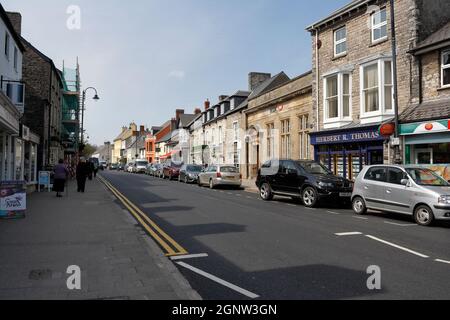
[
  {"x": 7, "y": 44},
  {"x": 337, "y": 42},
  {"x": 340, "y": 97},
  {"x": 285, "y": 136},
  {"x": 444, "y": 67},
  {"x": 374, "y": 26},
  {"x": 16, "y": 59},
  {"x": 381, "y": 89}
]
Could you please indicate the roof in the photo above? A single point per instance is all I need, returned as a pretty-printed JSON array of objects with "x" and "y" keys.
[
  {"x": 355, "y": 4},
  {"x": 429, "y": 110},
  {"x": 11, "y": 29},
  {"x": 437, "y": 40},
  {"x": 165, "y": 138},
  {"x": 122, "y": 135},
  {"x": 186, "y": 119},
  {"x": 269, "y": 84}
]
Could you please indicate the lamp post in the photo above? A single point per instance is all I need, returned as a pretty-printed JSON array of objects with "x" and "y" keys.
[{"x": 83, "y": 101}]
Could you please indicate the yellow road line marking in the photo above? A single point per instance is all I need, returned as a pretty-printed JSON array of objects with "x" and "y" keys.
[{"x": 138, "y": 214}]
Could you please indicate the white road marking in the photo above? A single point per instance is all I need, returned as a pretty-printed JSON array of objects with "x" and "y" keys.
[
  {"x": 189, "y": 256},
  {"x": 238, "y": 195},
  {"x": 401, "y": 224},
  {"x": 443, "y": 261},
  {"x": 220, "y": 281},
  {"x": 248, "y": 197},
  {"x": 341, "y": 234},
  {"x": 291, "y": 205},
  {"x": 397, "y": 246},
  {"x": 332, "y": 212},
  {"x": 230, "y": 193},
  {"x": 362, "y": 218}
]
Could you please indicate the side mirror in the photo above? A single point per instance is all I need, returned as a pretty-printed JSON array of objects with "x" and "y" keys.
[{"x": 405, "y": 182}]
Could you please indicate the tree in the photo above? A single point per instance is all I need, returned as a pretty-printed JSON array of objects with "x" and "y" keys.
[{"x": 88, "y": 150}]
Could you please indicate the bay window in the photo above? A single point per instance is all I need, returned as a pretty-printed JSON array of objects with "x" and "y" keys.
[
  {"x": 337, "y": 97},
  {"x": 445, "y": 69},
  {"x": 376, "y": 88}
]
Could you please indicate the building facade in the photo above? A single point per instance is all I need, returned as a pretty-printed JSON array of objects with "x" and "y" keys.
[
  {"x": 281, "y": 118},
  {"x": 353, "y": 78}
]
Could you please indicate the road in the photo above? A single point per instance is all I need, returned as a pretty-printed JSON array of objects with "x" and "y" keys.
[{"x": 251, "y": 249}]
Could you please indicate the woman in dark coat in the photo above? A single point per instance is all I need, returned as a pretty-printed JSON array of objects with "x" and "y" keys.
[
  {"x": 61, "y": 174},
  {"x": 83, "y": 171}
]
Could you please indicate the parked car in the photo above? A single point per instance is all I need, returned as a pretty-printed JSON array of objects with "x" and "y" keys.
[
  {"x": 189, "y": 173},
  {"x": 140, "y": 166},
  {"x": 308, "y": 180},
  {"x": 220, "y": 175},
  {"x": 130, "y": 167},
  {"x": 114, "y": 166},
  {"x": 121, "y": 167},
  {"x": 158, "y": 171},
  {"x": 410, "y": 190},
  {"x": 171, "y": 170},
  {"x": 102, "y": 165}
]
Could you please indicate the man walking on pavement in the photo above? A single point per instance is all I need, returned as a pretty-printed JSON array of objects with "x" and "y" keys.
[{"x": 83, "y": 170}]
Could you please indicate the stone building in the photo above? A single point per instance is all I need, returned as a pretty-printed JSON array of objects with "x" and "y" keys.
[
  {"x": 425, "y": 124},
  {"x": 353, "y": 78},
  {"x": 280, "y": 118}
]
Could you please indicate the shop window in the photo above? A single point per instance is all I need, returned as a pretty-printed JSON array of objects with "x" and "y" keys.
[
  {"x": 376, "y": 90},
  {"x": 445, "y": 67},
  {"x": 340, "y": 42},
  {"x": 337, "y": 97},
  {"x": 379, "y": 25}
]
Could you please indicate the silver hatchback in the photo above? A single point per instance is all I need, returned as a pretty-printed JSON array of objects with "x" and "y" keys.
[{"x": 410, "y": 190}]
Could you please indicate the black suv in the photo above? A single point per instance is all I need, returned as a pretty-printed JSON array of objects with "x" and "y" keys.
[{"x": 304, "y": 179}]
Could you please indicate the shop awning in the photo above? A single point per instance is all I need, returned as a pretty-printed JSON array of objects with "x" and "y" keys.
[{"x": 168, "y": 155}]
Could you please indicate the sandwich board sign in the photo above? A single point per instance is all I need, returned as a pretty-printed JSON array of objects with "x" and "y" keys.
[
  {"x": 44, "y": 180},
  {"x": 13, "y": 199}
]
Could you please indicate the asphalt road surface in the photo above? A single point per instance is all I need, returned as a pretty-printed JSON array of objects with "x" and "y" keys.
[{"x": 251, "y": 249}]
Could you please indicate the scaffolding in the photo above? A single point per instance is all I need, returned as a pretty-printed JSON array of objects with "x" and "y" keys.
[{"x": 71, "y": 110}]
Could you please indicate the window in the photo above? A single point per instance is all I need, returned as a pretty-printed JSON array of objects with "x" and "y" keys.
[
  {"x": 340, "y": 41},
  {"x": 220, "y": 135},
  {"x": 395, "y": 176},
  {"x": 7, "y": 45},
  {"x": 236, "y": 131},
  {"x": 15, "y": 58},
  {"x": 286, "y": 138},
  {"x": 303, "y": 136},
  {"x": 337, "y": 96},
  {"x": 445, "y": 68},
  {"x": 377, "y": 93},
  {"x": 376, "y": 174},
  {"x": 379, "y": 25},
  {"x": 270, "y": 140}
]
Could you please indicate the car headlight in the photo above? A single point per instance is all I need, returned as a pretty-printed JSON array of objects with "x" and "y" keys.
[
  {"x": 444, "y": 199},
  {"x": 325, "y": 184}
]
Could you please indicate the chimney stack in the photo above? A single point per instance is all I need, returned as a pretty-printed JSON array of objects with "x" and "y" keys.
[
  {"x": 197, "y": 111},
  {"x": 142, "y": 129},
  {"x": 256, "y": 78},
  {"x": 178, "y": 112},
  {"x": 207, "y": 104},
  {"x": 222, "y": 97},
  {"x": 16, "y": 21}
]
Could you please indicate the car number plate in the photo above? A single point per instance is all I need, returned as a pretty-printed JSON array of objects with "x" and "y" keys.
[{"x": 345, "y": 194}]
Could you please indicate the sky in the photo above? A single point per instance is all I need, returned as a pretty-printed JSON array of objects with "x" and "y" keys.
[{"x": 149, "y": 57}]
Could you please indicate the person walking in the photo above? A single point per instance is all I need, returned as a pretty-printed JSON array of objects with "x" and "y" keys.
[
  {"x": 61, "y": 173},
  {"x": 82, "y": 173}
]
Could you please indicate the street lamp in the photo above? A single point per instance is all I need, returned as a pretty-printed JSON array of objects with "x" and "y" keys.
[{"x": 83, "y": 101}]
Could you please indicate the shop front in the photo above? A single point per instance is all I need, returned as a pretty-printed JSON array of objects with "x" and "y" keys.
[
  {"x": 346, "y": 152},
  {"x": 428, "y": 144}
]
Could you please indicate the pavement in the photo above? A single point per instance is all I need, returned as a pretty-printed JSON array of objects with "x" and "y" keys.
[
  {"x": 117, "y": 259},
  {"x": 242, "y": 248},
  {"x": 249, "y": 185}
]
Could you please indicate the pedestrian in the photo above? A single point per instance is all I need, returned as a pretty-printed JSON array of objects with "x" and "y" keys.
[
  {"x": 82, "y": 174},
  {"x": 61, "y": 173}
]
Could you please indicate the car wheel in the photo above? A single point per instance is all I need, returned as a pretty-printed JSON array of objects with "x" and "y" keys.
[
  {"x": 423, "y": 215},
  {"x": 309, "y": 197},
  {"x": 265, "y": 191},
  {"x": 359, "y": 206},
  {"x": 211, "y": 184}
]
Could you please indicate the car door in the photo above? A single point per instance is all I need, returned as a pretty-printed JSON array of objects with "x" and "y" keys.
[
  {"x": 397, "y": 196},
  {"x": 290, "y": 177},
  {"x": 373, "y": 186}
]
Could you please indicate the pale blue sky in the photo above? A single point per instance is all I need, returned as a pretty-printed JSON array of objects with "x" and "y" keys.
[{"x": 149, "y": 57}]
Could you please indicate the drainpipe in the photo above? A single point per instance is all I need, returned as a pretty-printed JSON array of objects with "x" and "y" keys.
[
  {"x": 397, "y": 157},
  {"x": 316, "y": 44}
]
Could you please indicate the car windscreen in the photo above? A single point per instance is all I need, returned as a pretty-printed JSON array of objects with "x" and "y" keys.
[
  {"x": 141, "y": 163},
  {"x": 229, "y": 169},
  {"x": 194, "y": 168},
  {"x": 426, "y": 177},
  {"x": 314, "y": 168}
]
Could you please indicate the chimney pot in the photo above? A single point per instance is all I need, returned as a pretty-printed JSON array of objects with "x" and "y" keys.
[
  {"x": 207, "y": 104},
  {"x": 197, "y": 111}
]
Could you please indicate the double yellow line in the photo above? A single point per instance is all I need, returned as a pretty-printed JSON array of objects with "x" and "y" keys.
[{"x": 171, "y": 247}]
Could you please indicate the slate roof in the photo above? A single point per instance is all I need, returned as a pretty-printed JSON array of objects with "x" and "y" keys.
[
  {"x": 438, "y": 39},
  {"x": 429, "y": 110},
  {"x": 165, "y": 138},
  {"x": 185, "y": 119},
  {"x": 269, "y": 84}
]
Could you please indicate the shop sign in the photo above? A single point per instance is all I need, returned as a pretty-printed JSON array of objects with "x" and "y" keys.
[
  {"x": 425, "y": 127},
  {"x": 13, "y": 199},
  {"x": 346, "y": 137}
]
